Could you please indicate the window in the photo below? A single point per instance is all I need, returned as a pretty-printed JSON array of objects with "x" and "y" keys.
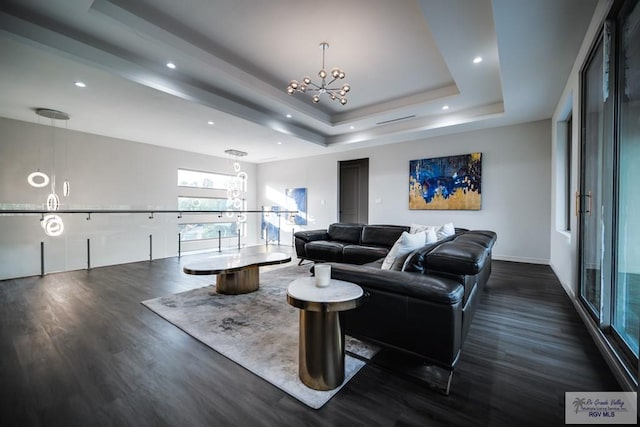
[
  {"x": 225, "y": 224},
  {"x": 204, "y": 204},
  {"x": 196, "y": 179},
  {"x": 210, "y": 230},
  {"x": 626, "y": 292}
]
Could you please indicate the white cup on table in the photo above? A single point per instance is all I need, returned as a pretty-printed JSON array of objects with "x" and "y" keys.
[{"x": 323, "y": 275}]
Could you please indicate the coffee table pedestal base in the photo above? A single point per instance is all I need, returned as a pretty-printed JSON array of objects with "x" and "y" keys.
[
  {"x": 238, "y": 282},
  {"x": 321, "y": 350}
]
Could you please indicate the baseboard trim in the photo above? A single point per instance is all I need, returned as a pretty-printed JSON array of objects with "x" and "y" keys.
[{"x": 520, "y": 259}]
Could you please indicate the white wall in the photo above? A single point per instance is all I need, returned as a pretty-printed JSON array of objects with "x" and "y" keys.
[
  {"x": 563, "y": 244},
  {"x": 105, "y": 173},
  {"x": 516, "y": 177}
]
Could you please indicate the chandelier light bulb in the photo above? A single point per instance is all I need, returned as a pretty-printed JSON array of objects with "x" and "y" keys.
[
  {"x": 322, "y": 74},
  {"x": 316, "y": 99},
  {"x": 341, "y": 75},
  {"x": 53, "y": 202},
  {"x": 332, "y": 96},
  {"x": 52, "y": 225},
  {"x": 335, "y": 72},
  {"x": 294, "y": 84},
  {"x": 343, "y": 101},
  {"x": 342, "y": 93},
  {"x": 290, "y": 90},
  {"x": 38, "y": 179},
  {"x": 306, "y": 80},
  {"x": 346, "y": 87}
]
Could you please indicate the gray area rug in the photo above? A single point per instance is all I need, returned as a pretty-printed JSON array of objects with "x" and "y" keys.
[{"x": 259, "y": 331}]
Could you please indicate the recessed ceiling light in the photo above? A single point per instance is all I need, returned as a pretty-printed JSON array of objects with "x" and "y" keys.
[
  {"x": 352, "y": 127},
  {"x": 210, "y": 123},
  {"x": 279, "y": 142},
  {"x": 289, "y": 116},
  {"x": 477, "y": 60},
  {"x": 445, "y": 107},
  {"x": 171, "y": 65},
  {"x": 80, "y": 84}
]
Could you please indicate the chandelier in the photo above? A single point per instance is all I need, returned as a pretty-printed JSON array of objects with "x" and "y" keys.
[
  {"x": 335, "y": 93},
  {"x": 51, "y": 223}
]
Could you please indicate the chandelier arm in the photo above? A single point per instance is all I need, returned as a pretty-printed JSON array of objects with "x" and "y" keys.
[
  {"x": 314, "y": 85},
  {"x": 332, "y": 81}
]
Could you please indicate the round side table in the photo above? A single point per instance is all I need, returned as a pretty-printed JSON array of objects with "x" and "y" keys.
[{"x": 321, "y": 347}]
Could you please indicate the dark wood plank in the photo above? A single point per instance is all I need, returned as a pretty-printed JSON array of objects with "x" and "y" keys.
[{"x": 78, "y": 348}]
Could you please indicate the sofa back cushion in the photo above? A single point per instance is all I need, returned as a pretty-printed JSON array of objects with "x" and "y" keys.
[
  {"x": 382, "y": 235},
  {"x": 348, "y": 233}
]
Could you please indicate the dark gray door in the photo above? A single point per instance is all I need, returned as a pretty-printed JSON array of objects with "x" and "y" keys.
[{"x": 354, "y": 191}]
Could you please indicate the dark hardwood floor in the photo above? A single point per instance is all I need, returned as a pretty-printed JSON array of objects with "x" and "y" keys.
[{"x": 78, "y": 349}]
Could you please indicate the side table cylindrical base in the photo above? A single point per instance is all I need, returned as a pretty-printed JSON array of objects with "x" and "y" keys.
[{"x": 321, "y": 353}]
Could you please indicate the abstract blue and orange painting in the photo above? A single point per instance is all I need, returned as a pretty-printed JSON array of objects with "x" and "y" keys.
[{"x": 452, "y": 182}]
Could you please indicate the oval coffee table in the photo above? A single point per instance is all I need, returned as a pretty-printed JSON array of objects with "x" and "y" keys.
[
  {"x": 239, "y": 273},
  {"x": 321, "y": 347}
]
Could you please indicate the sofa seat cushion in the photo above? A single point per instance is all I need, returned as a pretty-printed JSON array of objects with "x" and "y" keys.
[
  {"x": 325, "y": 250},
  {"x": 358, "y": 254}
]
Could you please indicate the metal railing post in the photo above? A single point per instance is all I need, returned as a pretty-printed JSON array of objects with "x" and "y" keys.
[
  {"x": 279, "y": 220},
  {"x": 41, "y": 259}
]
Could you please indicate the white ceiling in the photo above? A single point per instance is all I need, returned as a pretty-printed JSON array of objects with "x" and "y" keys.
[{"x": 404, "y": 60}]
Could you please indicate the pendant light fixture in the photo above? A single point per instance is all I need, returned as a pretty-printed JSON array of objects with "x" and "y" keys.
[
  {"x": 334, "y": 93},
  {"x": 51, "y": 224}
]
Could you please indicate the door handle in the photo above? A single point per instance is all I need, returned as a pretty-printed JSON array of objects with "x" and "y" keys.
[{"x": 578, "y": 196}]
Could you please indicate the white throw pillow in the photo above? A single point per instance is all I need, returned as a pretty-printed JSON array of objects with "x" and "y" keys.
[
  {"x": 416, "y": 228},
  {"x": 391, "y": 256},
  {"x": 405, "y": 244},
  {"x": 430, "y": 236},
  {"x": 445, "y": 231},
  {"x": 441, "y": 231}
]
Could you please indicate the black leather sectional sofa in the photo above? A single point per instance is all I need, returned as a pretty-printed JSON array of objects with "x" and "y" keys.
[
  {"x": 350, "y": 243},
  {"x": 425, "y": 308}
]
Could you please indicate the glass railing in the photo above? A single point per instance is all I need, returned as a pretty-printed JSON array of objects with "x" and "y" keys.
[{"x": 91, "y": 238}]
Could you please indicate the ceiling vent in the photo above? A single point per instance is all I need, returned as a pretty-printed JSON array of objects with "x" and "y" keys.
[{"x": 396, "y": 120}]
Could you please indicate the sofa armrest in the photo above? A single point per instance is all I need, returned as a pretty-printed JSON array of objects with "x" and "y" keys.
[
  {"x": 311, "y": 235},
  {"x": 460, "y": 258},
  {"x": 463, "y": 254},
  {"x": 432, "y": 288}
]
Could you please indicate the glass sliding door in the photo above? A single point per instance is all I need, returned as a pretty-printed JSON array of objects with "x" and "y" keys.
[
  {"x": 626, "y": 307},
  {"x": 609, "y": 197},
  {"x": 589, "y": 199}
]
